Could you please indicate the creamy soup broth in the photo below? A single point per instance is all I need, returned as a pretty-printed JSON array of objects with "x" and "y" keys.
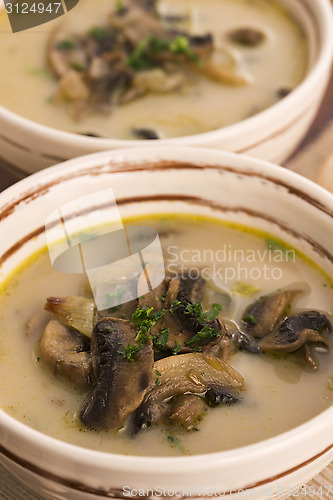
[
  {"x": 27, "y": 85},
  {"x": 279, "y": 394}
]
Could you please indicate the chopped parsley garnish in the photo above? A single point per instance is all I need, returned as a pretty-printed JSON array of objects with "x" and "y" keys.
[
  {"x": 98, "y": 33},
  {"x": 120, "y": 5},
  {"x": 188, "y": 308},
  {"x": 162, "y": 339},
  {"x": 181, "y": 45},
  {"x": 174, "y": 441},
  {"x": 139, "y": 59},
  {"x": 114, "y": 298},
  {"x": 252, "y": 320},
  {"x": 176, "y": 349},
  {"x": 274, "y": 245},
  {"x": 66, "y": 44},
  {"x": 158, "y": 44},
  {"x": 143, "y": 318},
  {"x": 157, "y": 381},
  {"x": 196, "y": 310},
  {"x": 213, "y": 313},
  {"x": 206, "y": 333},
  {"x": 130, "y": 351},
  {"x": 78, "y": 65},
  {"x": 143, "y": 55}
]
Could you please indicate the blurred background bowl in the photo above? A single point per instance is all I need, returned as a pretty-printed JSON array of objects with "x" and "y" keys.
[{"x": 26, "y": 146}]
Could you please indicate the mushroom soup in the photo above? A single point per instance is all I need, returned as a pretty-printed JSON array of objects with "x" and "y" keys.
[
  {"x": 232, "y": 347},
  {"x": 148, "y": 70}
]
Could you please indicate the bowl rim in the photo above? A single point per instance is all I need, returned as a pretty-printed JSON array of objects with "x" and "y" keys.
[
  {"x": 195, "y": 157},
  {"x": 322, "y": 9}
]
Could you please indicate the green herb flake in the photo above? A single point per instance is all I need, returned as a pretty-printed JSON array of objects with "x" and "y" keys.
[
  {"x": 174, "y": 441},
  {"x": 206, "y": 333},
  {"x": 176, "y": 349},
  {"x": 120, "y": 5},
  {"x": 112, "y": 298},
  {"x": 144, "y": 318},
  {"x": 139, "y": 59},
  {"x": 274, "y": 245},
  {"x": 162, "y": 339},
  {"x": 214, "y": 312},
  {"x": 66, "y": 44},
  {"x": 158, "y": 44},
  {"x": 252, "y": 320},
  {"x": 157, "y": 381},
  {"x": 78, "y": 65},
  {"x": 175, "y": 305},
  {"x": 189, "y": 309},
  {"x": 181, "y": 45},
  {"x": 130, "y": 352},
  {"x": 98, "y": 33},
  {"x": 38, "y": 358},
  {"x": 39, "y": 73}
]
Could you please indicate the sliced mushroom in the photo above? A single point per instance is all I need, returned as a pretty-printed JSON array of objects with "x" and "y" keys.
[
  {"x": 187, "y": 411},
  {"x": 193, "y": 373},
  {"x": 298, "y": 331},
  {"x": 261, "y": 318},
  {"x": 121, "y": 384},
  {"x": 248, "y": 37},
  {"x": 174, "y": 18},
  {"x": 158, "y": 81},
  {"x": 283, "y": 92},
  {"x": 76, "y": 312},
  {"x": 121, "y": 311},
  {"x": 137, "y": 24},
  {"x": 72, "y": 87},
  {"x": 148, "y": 5},
  {"x": 202, "y": 45},
  {"x": 65, "y": 352},
  {"x": 220, "y": 395},
  {"x": 187, "y": 328},
  {"x": 57, "y": 56},
  {"x": 222, "y": 74},
  {"x": 66, "y": 52},
  {"x": 310, "y": 361},
  {"x": 221, "y": 347},
  {"x": 241, "y": 340},
  {"x": 113, "y": 84},
  {"x": 155, "y": 297},
  {"x": 145, "y": 133},
  {"x": 190, "y": 291}
]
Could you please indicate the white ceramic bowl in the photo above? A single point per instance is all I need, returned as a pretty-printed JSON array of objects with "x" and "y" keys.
[
  {"x": 232, "y": 187},
  {"x": 273, "y": 134}
]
